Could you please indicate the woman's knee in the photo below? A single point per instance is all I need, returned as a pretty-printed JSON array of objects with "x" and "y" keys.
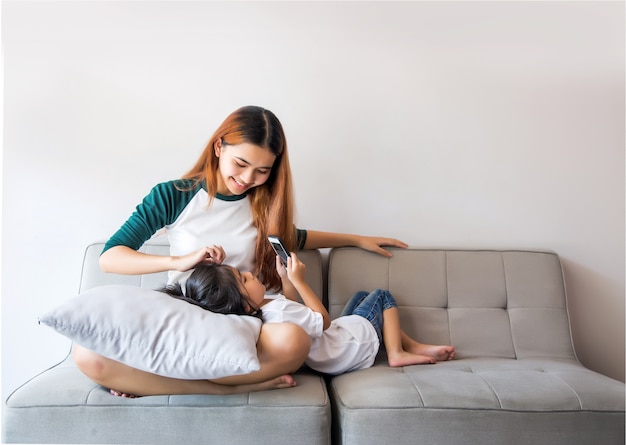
[
  {"x": 296, "y": 341},
  {"x": 286, "y": 340},
  {"x": 91, "y": 364}
]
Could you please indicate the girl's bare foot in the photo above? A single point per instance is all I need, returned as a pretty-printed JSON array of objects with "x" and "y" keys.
[
  {"x": 440, "y": 353},
  {"x": 404, "y": 358}
]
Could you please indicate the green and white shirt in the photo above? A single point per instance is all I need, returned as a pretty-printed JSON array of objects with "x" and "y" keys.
[{"x": 190, "y": 223}]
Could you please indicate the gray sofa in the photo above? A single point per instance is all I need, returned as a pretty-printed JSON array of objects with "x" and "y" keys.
[{"x": 516, "y": 379}]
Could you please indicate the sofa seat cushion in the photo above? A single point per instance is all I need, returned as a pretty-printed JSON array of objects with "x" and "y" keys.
[
  {"x": 516, "y": 401},
  {"x": 64, "y": 406},
  {"x": 497, "y": 384}
]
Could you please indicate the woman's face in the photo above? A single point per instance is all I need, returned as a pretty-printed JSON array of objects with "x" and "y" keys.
[{"x": 242, "y": 167}]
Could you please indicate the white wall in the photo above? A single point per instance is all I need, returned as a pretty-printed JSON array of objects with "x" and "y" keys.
[{"x": 443, "y": 124}]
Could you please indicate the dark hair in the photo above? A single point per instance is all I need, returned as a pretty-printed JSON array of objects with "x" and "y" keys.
[{"x": 216, "y": 288}]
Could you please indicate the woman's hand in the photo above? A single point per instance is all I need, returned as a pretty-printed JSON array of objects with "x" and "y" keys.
[
  {"x": 206, "y": 255},
  {"x": 374, "y": 244}
]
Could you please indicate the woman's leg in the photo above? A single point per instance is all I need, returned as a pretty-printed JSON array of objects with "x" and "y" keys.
[{"x": 282, "y": 350}]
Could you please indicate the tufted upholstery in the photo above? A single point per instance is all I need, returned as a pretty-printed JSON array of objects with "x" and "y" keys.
[{"x": 516, "y": 379}]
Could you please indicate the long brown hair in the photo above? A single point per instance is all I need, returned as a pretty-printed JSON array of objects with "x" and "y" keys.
[{"x": 272, "y": 202}]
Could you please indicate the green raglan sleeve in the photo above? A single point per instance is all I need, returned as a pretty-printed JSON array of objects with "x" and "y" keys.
[
  {"x": 160, "y": 207},
  {"x": 300, "y": 238}
]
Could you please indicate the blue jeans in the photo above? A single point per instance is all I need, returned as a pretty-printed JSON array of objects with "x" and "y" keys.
[{"x": 371, "y": 305}]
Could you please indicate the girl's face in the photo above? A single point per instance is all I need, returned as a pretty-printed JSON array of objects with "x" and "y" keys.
[
  {"x": 253, "y": 288},
  {"x": 242, "y": 167}
]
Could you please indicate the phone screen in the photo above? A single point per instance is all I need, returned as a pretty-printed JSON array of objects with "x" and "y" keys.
[{"x": 279, "y": 248}]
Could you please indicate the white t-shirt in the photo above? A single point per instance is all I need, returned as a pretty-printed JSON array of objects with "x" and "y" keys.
[
  {"x": 182, "y": 208},
  {"x": 349, "y": 343}
]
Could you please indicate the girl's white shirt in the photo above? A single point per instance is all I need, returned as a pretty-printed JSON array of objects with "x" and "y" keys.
[{"x": 349, "y": 343}]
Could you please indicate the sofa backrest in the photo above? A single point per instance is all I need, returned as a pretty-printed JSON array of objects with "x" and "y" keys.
[
  {"x": 501, "y": 304},
  {"x": 92, "y": 275}
]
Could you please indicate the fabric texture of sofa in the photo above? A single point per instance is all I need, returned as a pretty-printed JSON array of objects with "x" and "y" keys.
[
  {"x": 62, "y": 405},
  {"x": 515, "y": 379}
]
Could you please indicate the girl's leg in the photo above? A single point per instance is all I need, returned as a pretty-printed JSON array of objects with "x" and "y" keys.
[
  {"x": 353, "y": 302},
  {"x": 282, "y": 350},
  {"x": 393, "y": 336},
  {"x": 371, "y": 307},
  {"x": 381, "y": 309},
  {"x": 438, "y": 352}
]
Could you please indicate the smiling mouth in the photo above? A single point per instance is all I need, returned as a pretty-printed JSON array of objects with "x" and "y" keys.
[{"x": 240, "y": 184}]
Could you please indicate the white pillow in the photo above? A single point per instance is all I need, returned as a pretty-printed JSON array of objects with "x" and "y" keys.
[{"x": 151, "y": 331}]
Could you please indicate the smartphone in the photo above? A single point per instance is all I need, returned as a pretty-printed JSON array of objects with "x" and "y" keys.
[{"x": 279, "y": 248}]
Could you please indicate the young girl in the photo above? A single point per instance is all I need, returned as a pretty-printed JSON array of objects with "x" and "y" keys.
[
  {"x": 344, "y": 344},
  {"x": 237, "y": 193}
]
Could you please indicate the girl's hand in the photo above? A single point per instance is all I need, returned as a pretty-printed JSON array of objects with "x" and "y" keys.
[
  {"x": 288, "y": 289},
  {"x": 296, "y": 269},
  {"x": 375, "y": 243},
  {"x": 206, "y": 255},
  {"x": 282, "y": 272}
]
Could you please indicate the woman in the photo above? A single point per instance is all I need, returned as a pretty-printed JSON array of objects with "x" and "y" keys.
[{"x": 238, "y": 192}]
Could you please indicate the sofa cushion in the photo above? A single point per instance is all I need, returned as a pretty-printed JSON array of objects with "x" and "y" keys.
[
  {"x": 63, "y": 406},
  {"x": 151, "y": 331}
]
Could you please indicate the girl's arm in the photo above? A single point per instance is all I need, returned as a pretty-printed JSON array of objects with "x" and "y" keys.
[
  {"x": 296, "y": 272},
  {"x": 124, "y": 260},
  {"x": 288, "y": 289},
  {"x": 320, "y": 240}
]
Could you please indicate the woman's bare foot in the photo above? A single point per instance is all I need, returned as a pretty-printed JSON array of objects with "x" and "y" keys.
[
  {"x": 122, "y": 394},
  {"x": 284, "y": 381},
  {"x": 404, "y": 358}
]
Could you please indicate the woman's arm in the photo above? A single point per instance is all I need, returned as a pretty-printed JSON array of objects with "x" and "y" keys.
[
  {"x": 320, "y": 240},
  {"x": 160, "y": 207},
  {"x": 124, "y": 260}
]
